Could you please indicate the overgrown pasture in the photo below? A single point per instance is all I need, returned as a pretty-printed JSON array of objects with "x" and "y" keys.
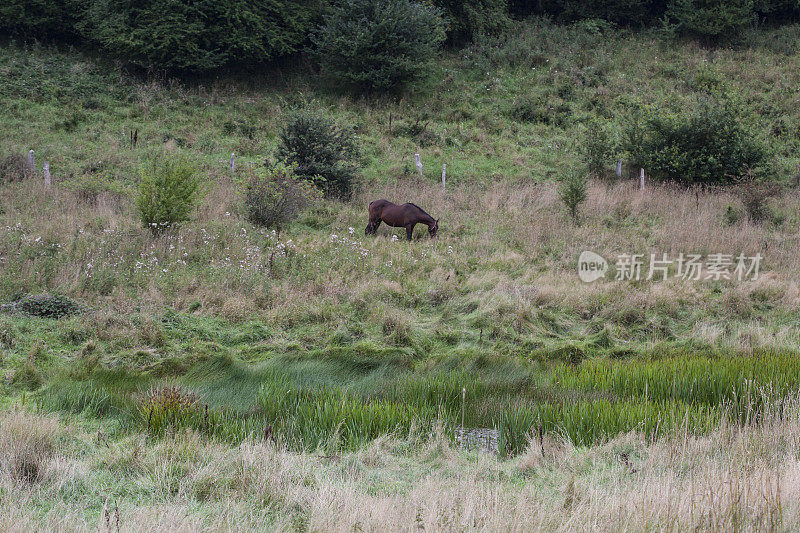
[{"x": 276, "y": 373}]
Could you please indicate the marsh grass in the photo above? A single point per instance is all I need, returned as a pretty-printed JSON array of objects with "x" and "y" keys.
[{"x": 342, "y": 404}]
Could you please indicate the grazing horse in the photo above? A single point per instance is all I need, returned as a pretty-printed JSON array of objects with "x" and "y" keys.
[{"x": 399, "y": 216}]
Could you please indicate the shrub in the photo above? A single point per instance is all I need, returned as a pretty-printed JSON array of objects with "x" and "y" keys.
[
  {"x": 572, "y": 192},
  {"x": 49, "y": 306},
  {"x": 378, "y": 45},
  {"x": 168, "y": 192},
  {"x": 198, "y": 36},
  {"x": 321, "y": 151},
  {"x": 274, "y": 195},
  {"x": 711, "y": 20},
  {"x": 701, "y": 144},
  {"x": 598, "y": 149}
]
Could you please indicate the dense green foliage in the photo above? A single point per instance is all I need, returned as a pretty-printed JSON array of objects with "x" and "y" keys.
[
  {"x": 705, "y": 144},
  {"x": 172, "y": 34},
  {"x": 378, "y": 45},
  {"x": 321, "y": 151},
  {"x": 273, "y": 195},
  {"x": 701, "y": 17},
  {"x": 470, "y": 18},
  {"x": 620, "y": 11},
  {"x": 371, "y": 45},
  {"x": 181, "y": 35},
  {"x": 711, "y": 19},
  {"x": 168, "y": 193},
  {"x": 40, "y": 18}
]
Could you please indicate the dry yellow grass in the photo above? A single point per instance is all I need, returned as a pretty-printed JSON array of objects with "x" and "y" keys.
[
  {"x": 736, "y": 478},
  {"x": 508, "y": 248}
]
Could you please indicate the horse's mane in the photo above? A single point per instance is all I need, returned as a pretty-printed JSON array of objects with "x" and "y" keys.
[{"x": 418, "y": 207}]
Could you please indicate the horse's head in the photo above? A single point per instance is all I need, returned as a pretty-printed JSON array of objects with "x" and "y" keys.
[{"x": 433, "y": 228}]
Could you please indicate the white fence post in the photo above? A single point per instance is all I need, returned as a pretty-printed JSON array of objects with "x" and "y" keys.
[
  {"x": 619, "y": 168},
  {"x": 31, "y": 161},
  {"x": 418, "y": 162},
  {"x": 46, "y": 167},
  {"x": 233, "y": 162},
  {"x": 444, "y": 174},
  {"x": 641, "y": 180}
]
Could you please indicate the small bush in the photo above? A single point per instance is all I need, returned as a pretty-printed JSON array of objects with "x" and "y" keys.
[
  {"x": 572, "y": 192},
  {"x": 321, "y": 152},
  {"x": 168, "y": 193},
  {"x": 378, "y": 45},
  {"x": 706, "y": 143},
  {"x": 274, "y": 195},
  {"x": 49, "y": 306}
]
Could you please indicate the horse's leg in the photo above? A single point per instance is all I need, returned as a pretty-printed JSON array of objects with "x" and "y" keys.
[
  {"x": 410, "y": 231},
  {"x": 372, "y": 226}
]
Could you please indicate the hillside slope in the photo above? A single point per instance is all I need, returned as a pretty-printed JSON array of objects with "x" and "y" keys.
[{"x": 321, "y": 339}]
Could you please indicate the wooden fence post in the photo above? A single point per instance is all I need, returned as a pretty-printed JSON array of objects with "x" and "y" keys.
[
  {"x": 444, "y": 173},
  {"x": 46, "y": 167},
  {"x": 31, "y": 161},
  {"x": 641, "y": 180},
  {"x": 418, "y": 162},
  {"x": 619, "y": 168}
]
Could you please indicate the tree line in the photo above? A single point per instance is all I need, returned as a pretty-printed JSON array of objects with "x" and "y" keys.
[{"x": 204, "y": 35}]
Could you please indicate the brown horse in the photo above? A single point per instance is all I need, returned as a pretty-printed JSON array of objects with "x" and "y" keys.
[{"x": 399, "y": 216}]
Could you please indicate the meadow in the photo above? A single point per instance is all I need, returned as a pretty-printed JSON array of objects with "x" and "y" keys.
[{"x": 222, "y": 375}]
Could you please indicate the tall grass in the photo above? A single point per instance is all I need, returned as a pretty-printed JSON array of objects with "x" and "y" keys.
[{"x": 742, "y": 384}]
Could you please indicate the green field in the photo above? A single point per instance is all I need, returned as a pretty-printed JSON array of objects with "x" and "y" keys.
[{"x": 220, "y": 341}]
